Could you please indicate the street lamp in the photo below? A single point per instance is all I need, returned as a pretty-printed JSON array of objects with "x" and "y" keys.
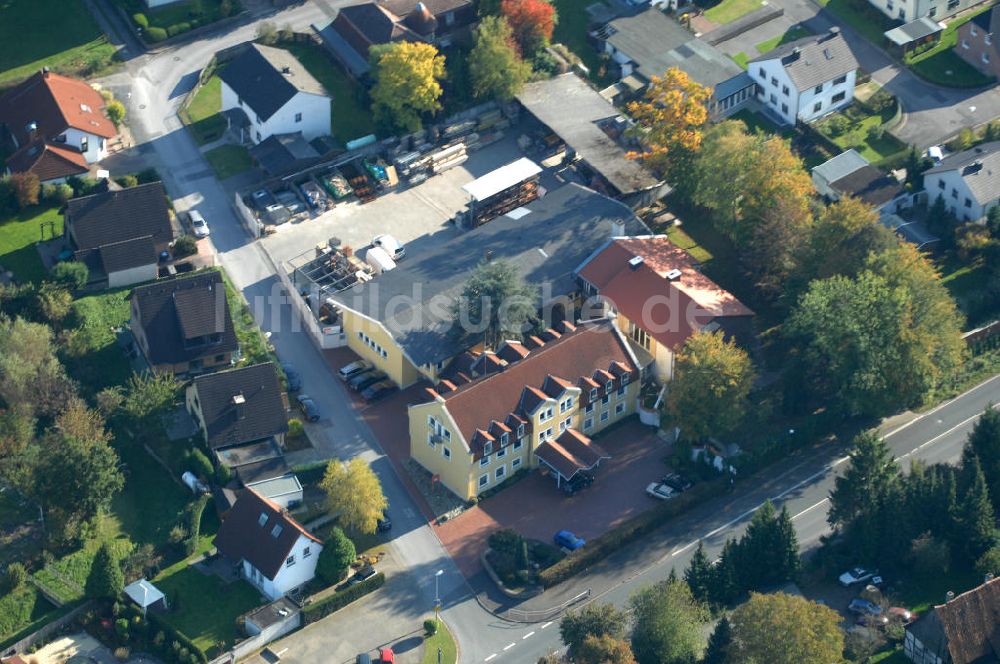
[{"x": 437, "y": 597}]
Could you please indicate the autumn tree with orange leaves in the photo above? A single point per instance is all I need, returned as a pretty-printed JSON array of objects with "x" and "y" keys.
[
  {"x": 670, "y": 121},
  {"x": 532, "y": 22}
]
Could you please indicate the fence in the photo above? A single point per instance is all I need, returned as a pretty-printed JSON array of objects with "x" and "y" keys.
[
  {"x": 45, "y": 633},
  {"x": 540, "y": 615}
]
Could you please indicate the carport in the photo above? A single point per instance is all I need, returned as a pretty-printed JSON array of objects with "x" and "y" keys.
[{"x": 570, "y": 454}]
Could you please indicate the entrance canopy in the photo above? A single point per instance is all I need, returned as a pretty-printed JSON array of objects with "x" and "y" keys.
[{"x": 569, "y": 454}]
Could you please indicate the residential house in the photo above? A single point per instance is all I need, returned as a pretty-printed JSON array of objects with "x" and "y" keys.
[
  {"x": 254, "y": 462},
  {"x": 239, "y": 406},
  {"x": 524, "y": 405},
  {"x": 659, "y": 297},
  {"x": 276, "y": 94},
  {"x": 649, "y": 43},
  {"x": 182, "y": 325},
  {"x": 120, "y": 234},
  {"x": 54, "y": 126},
  {"x": 272, "y": 550},
  {"x": 908, "y": 10},
  {"x": 850, "y": 174},
  {"x": 807, "y": 78},
  {"x": 594, "y": 135},
  {"x": 544, "y": 240},
  {"x": 963, "y": 630},
  {"x": 968, "y": 181},
  {"x": 357, "y": 28},
  {"x": 976, "y": 44}
]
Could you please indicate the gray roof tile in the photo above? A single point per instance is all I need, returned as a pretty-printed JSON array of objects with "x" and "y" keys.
[{"x": 813, "y": 60}]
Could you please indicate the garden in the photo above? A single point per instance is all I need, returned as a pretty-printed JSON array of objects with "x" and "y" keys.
[
  {"x": 229, "y": 160},
  {"x": 18, "y": 235},
  {"x": 202, "y": 113},
  {"x": 728, "y": 11},
  {"x": 862, "y": 126},
  {"x": 516, "y": 561},
  {"x": 938, "y": 63},
  {"x": 176, "y": 18}
]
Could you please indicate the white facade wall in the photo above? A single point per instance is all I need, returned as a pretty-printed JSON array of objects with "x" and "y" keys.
[
  {"x": 809, "y": 99},
  {"x": 97, "y": 146},
  {"x": 159, "y": 3},
  {"x": 910, "y": 10},
  {"x": 304, "y": 112},
  {"x": 135, "y": 275},
  {"x": 956, "y": 194},
  {"x": 288, "y": 577},
  {"x": 779, "y": 94}
]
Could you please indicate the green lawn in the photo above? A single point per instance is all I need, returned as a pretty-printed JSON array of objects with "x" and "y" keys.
[
  {"x": 60, "y": 34},
  {"x": 790, "y": 35},
  {"x": 443, "y": 640},
  {"x": 350, "y": 117},
  {"x": 18, "y": 236},
  {"x": 202, "y": 115},
  {"x": 93, "y": 356},
  {"x": 571, "y": 30},
  {"x": 204, "y": 607},
  {"x": 891, "y": 656},
  {"x": 742, "y": 59},
  {"x": 194, "y": 13},
  {"x": 229, "y": 160},
  {"x": 730, "y": 10},
  {"x": 867, "y": 20},
  {"x": 22, "y": 612},
  {"x": 873, "y": 149},
  {"x": 919, "y": 595},
  {"x": 941, "y": 65}
]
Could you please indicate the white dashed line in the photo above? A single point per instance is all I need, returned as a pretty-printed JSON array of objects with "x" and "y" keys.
[
  {"x": 493, "y": 656},
  {"x": 509, "y": 646},
  {"x": 527, "y": 635},
  {"x": 546, "y": 625}
]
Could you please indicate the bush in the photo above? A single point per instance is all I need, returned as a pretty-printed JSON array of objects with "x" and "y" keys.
[
  {"x": 506, "y": 541},
  {"x": 988, "y": 563},
  {"x": 195, "y": 511},
  {"x": 296, "y": 430},
  {"x": 185, "y": 245},
  {"x": 326, "y": 606},
  {"x": 148, "y": 175},
  {"x": 223, "y": 475},
  {"x": 72, "y": 274},
  {"x": 140, "y": 20},
  {"x": 203, "y": 468},
  {"x": 430, "y": 627},
  {"x": 178, "y": 641},
  {"x": 225, "y": 8},
  {"x": 127, "y": 181},
  {"x": 336, "y": 557},
  {"x": 178, "y": 28},
  {"x": 837, "y": 125},
  {"x": 16, "y": 576},
  {"x": 57, "y": 194},
  {"x": 154, "y": 35},
  {"x": 26, "y": 189}
]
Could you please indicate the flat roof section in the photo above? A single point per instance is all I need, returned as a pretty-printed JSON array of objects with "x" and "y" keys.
[{"x": 502, "y": 178}]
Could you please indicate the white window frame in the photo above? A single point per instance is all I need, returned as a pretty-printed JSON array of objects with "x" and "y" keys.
[
  {"x": 619, "y": 409},
  {"x": 588, "y": 424},
  {"x": 515, "y": 463},
  {"x": 504, "y": 438},
  {"x": 484, "y": 480},
  {"x": 517, "y": 444},
  {"x": 501, "y": 453},
  {"x": 520, "y": 431},
  {"x": 484, "y": 461},
  {"x": 446, "y": 453},
  {"x": 290, "y": 561},
  {"x": 604, "y": 416}
]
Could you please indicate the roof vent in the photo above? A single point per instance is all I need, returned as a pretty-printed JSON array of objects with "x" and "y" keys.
[
  {"x": 86, "y": 109},
  {"x": 988, "y": 577},
  {"x": 673, "y": 275},
  {"x": 239, "y": 403},
  {"x": 827, "y": 54},
  {"x": 835, "y": 30},
  {"x": 31, "y": 126},
  {"x": 489, "y": 255},
  {"x": 948, "y": 596},
  {"x": 635, "y": 262},
  {"x": 796, "y": 50},
  {"x": 286, "y": 70}
]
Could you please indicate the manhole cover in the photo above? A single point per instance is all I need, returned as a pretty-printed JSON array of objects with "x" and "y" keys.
[{"x": 142, "y": 106}]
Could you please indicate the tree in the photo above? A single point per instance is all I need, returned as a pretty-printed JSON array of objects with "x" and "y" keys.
[
  {"x": 726, "y": 587},
  {"x": 532, "y": 22},
  {"x": 54, "y": 303},
  {"x": 871, "y": 473},
  {"x": 77, "y": 420},
  {"x": 768, "y": 551},
  {"x": 712, "y": 379},
  {"x": 495, "y": 304},
  {"x": 974, "y": 516},
  {"x": 354, "y": 492},
  {"x": 106, "y": 579},
  {"x": 698, "y": 574},
  {"x": 604, "y": 650},
  {"x": 267, "y": 33},
  {"x": 31, "y": 378},
  {"x": 495, "y": 67},
  {"x": 116, "y": 112},
  {"x": 785, "y": 629},
  {"x": 72, "y": 274},
  {"x": 336, "y": 557},
  {"x": 593, "y": 620},
  {"x": 667, "y": 624},
  {"x": 984, "y": 441},
  {"x": 407, "y": 82},
  {"x": 26, "y": 189},
  {"x": 670, "y": 119},
  {"x": 989, "y": 562},
  {"x": 149, "y": 395},
  {"x": 718, "y": 643}
]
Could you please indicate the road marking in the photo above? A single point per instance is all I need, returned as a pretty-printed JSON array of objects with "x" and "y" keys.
[
  {"x": 811, "y": 507},
  {"x": 493, "y": 656},
  {"x": 527, "y": 635},
  {"x": 940, "y": 406},
  {"x": 940, "y": 435},
  {"x": 546, "y": 625},
  {"x": 509, "y": 646}
]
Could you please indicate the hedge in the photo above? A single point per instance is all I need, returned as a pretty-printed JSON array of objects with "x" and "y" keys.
[
  {"x": 628, "y": 532},
  {"x": 178, "y": 28},
  {"x": 154, "y": 35},
  {"x": 324, "y": 607},
  {"x": 176, "y": 635},
  {"x": 140, "y": 19}
]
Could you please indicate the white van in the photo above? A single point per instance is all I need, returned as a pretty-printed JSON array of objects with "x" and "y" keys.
[
  {"x": 391, "y": 246},
  {"x": 379, "y": 260}
]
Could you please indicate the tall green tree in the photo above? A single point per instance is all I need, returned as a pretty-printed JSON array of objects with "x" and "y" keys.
[
  {"x": 726, "y": 585},
  {"x": 975, "y": 518},
  {"x": 718, "y": 643},
  {"x": 870, "y": 475},
  {"x": 336, "y": 557},
  {"x": 106, "y": 579},
  {"x": 698, "y": 574},
  {"x": 667, "y": 624},
  {"x": 495, "y": 304},
  {"x": 593, "y": 620},
  {"x": 785, "y": 629},
  {"x": 495, "y": 66},
  {"x": 603, "y": 650},
  {"x": 149, "y": 396},
  {"x": 32, "y": 380},
  {"x": 712, "y": 379},
  {"x": 984, "y": 442},
  {"x": 354, "y": 492},
  {"x": 407, "y": 83},
  {"x": 768, "y": 551}
]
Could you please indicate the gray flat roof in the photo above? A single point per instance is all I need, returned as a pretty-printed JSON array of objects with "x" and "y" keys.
[
  {"x": 559, "y": 232},
  {"x": 276, "y": 486},
  {"x": 914, "y": 30},
  {"x": 572, "y": 109},
  {"x": 841, "y": 166}
]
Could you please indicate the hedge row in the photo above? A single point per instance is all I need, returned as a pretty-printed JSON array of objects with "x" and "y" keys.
[
  {"x": 324, "y": 607},
  {"x": 176, "y": 635},
  {"x": 628, "y": 532}
]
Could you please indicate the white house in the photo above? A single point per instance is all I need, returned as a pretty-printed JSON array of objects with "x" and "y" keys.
[
  {"x": 275, "y": 93},
  {"x": 850, "y": 174},
  {"x": 909, "y": 10},
  {"x": 273, "y": 551},
  {"x": 807, "y": 78},
  {"x": 968, "y": 181}
]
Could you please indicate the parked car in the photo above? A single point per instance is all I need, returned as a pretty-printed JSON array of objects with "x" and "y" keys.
[
  {"x": 198, "y": 224},
  {"x": 379, "y": 390},
  {"x": 868, "y": 620},
  {"x": 578, "y": 482},
  {"x": 568, "y": 540},
  {"x": 308, "y": 407},
  {"x": 294, "y": 379},
  {"x": 903, "y": 615},
  {"x": 391, "y": 246},
  {"x": 386, "y": 656},
  {"x": 363, "y": 658},
  {"x": 864, "y": 607},
  {"x": 384, "y": 524},
  {"x": 361, "y": 381},
  {"x": 353, "y": 369},
  {"x": 856, "y": 575},
  {"x": 660, "y": 491},
  {"x": 362, "y": 574},
  {"x": 677, "y": 482}
]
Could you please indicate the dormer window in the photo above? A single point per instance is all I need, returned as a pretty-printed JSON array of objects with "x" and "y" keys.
[
  {"x": 488, "y": 449},
  {"x": 625, "y": 379},
  {"x": 607, "y": 387},
  {"x": 520, "y": 431},
  {"x": 593, "y": 394},
  {"x": 262, "y": 520},
  {"x": 504, "y": 438},
  {"x": 276, "y": 531}
]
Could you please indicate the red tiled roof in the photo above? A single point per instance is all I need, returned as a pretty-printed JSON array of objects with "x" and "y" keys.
[
  {"x": 55, "y": 103},
  {"x": 571, "y": 452},
  {"x": 48, "y": 161},
  {"x": 971, "y": 622},
  {"x": 669, "y": 310}
]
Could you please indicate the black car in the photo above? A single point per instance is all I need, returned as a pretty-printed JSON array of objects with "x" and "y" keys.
[
  {"x": 294, "y": 379},
  {"x": 579, "y": 482},
  {"x": 362, "y": 381},
  {"x": 308, "y": 407},
  {"x": 362, "y": 574},
  {"x": 384, "y": 524},
  {"x": 678, "y": 482},
  {"x": 378, "y": 390}
]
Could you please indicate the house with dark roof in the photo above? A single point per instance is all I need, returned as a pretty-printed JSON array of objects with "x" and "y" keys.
[
  {"x": 526, "y": 404},
  {"x": 807, "y": 78},
  {"x": 649, "y": 43},
  {"x": 659, "y": 298},
  {"x": 54, "y": 126},
  {"x": 401, "y": 321},
  {"x": 182, "y": 325},
  {"x": 268, "y": 546},
  {"x": 976, "y": 43},
  {"x": 356, "y": 28},
  {"x": 120, "y": 234},
  {"x": 963, "y": 630},
  {"x": 275, "y": 93},
  {"x": 850, "y": 174},
  {"x": 238, "y": 406},
  {"x": 968, "y": 181}
]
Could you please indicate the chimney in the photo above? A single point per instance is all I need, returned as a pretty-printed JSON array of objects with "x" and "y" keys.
[
  {"x": 239, "y": 404},
  {"x": 45, "y": 72},
  {"x": 617, "y": 228},
  {"x": 489, "y": 255},
  {"x": 948, "y": 596},
  {"x": 988, "y": 577},
  {"x": 286, "y": 70},
  {"x": 835, "y": 30}
]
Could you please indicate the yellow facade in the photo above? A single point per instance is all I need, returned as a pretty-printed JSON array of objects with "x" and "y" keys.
[
  {"x": 372, "y": 342},
  {"x": 663, "y": 357},
  {"x": 438, "y": 445}
]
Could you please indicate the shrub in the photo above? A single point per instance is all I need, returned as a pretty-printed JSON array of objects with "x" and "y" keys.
[
  {"x": 154, "y": 35},
  {"x": 203, "y": 468},
  {"x": 326, "y": 606},
  {"x": 296, "y": 430},
  {"x": 430, "y": 627},
  {"x": 185, "y": 245},
  {"x": 148, "y": 175},
  {"x": 121, "y": 654},
  {"x": 988, "y": 563},
  {"x": 127, "y": 181},
  {"x": 267, "y": 33},
  {"x": 225, "y": 8},
  {"x": 336, "y": 557},
  {"x": 26, "y": 189},
  {"x": 837, "y": 125},
  {"x": 72, "y": 274},
  {"x": 195, "y": 511},
  {"x": 121, "y": 628},
  {"x": 177, "y": 534},
  {"x": 140, "y": 19},
  {"x": 59, "y": 194},
  {"x": 178, "y": 28},
  {"x": 16, "y": 575},
  {"x": 223, "y": 475}
]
